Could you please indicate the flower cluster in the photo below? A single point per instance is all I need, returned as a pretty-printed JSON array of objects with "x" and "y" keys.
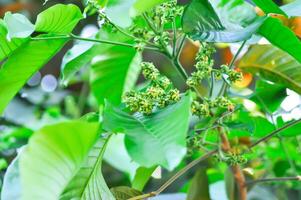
[
  {"x": 204, "y": 109},
  {"x": 204, "y": 64},
  {"x": 235, "y": 159},
  {"x": 159, "y": 94},
  {"x": 167, "y": 12},
  {"x": 233, "y": 75}
]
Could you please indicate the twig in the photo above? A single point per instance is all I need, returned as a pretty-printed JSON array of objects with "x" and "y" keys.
[
  {"x": 267, "y": 137},
  {"x": 175, "y": 177},
  {"x": 295, "y": 178},
  {"x": 237, "y": 173},
  {"x": 75, "y": 37},
  {"x": 231, "y": 65}
]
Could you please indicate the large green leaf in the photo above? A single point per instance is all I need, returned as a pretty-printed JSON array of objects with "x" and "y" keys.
[
  {"x": 26, "y": 58},
  {"x": 116, "y": 66},
  {"x": 142, "y": 176},
  {"x": 8, "y": 47},
  {"x": 234, "y": 12},
  {"x": 77, "y": 57},
  {"x": 292, "y": 9},
  {"x": 268, "y": 95},
  {"x": 268, "y": 6},
  {"x": 89, "y": 183},
  {"x": 23, "y": 64},
  {"x": 59, "y": 18},
  {"x": 273, "y": 64},
  {"x": 18, "y": 25},
  {"x": 11, "y": 188},
  {"x": 202, "y": 23},
  {"x": 164, "y": 132},
  {"x": 281, "y": 36},
  {"x": 117, "y": 156},
  {"x": 114, "y": 72},
  {"x": 119, "y": 12},
  {"x": 62, "y": 161},
  {"x": 141, "y": 6},
  {"x": 291, "y": 131},
  {"x": 199, "y": 188}
]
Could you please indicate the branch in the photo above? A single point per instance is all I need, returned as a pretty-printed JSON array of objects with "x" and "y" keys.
[
  {"x": 275, "y": 132},
  {"x": 295, "y": 178},
  {"x": 75, "y": 37},
  {"x": 237, "y": 173},
  {"x": 231, "y": 65},
  {"x": 175, "y": 177}
]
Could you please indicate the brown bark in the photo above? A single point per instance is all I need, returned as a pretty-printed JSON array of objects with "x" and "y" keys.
[{"x": 236, "y": 170}]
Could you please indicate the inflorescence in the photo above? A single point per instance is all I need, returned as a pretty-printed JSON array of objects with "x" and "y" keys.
[
  {"x": 159, "y": 94},
  {"x": 204, "y": 70}
]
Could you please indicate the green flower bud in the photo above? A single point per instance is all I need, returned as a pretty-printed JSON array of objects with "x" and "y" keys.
[
  {"x": 131, "y": 99},
  {"x": 155, "y": 92},
  {"x": 174, "y": 95},
  {"x": 164, "y": 82},
  {"x": 149, "y": 71},
  {"x": 146, "y": 106}
]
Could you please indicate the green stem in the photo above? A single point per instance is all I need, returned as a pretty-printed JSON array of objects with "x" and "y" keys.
[
  {"x": 75, "y": 37},
  {"x": 181, "y": 46},
  {"x": 296, "y": 178},
  {"x": 174, "y": 38},
  {"x": 275, "y": 132},
  {"x": 175, "y": 177},
  {"x": 231, "y": 65}
]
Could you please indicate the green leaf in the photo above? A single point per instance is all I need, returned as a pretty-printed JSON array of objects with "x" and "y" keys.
[
  {"x": 199, "y": 188},
  {"x": 11, "y": 188},
  {"x": 62, "y": 161},
  {"x": 273, "y": 64},
  {"x": 291, "y": 131},
  {"x": 89, "y": 183},
  {"x": 243, "y": 123},
  {"x": 26, "y": 58},
  {"x": 77, "y": 57},
  {"x": 23, "y": 64},
  {"x": 124, "y": 193},
  {"x": 281, "y": 36},
  {"x": 8, "y": 47},
  {"x": 18, "y": 25},
  {"x": 269, "y": 95},
  {"x": 142, "y": 176},
  {"x": 165, "y": 132},
  {"x": 119, "y": 12},
  {"x": 117, "y": 156},
  {"x": 230, "y": 184},
  {"x": 268, "y": 6},
  {"x": 201, "y": 22},
  {"x": 117, "y": 67},
  {"x": 234, "y": 12},
  {"x": 141, "y": 6},
  {"x": 59, "y": 18},
  {"x": 292, "y": 9}
]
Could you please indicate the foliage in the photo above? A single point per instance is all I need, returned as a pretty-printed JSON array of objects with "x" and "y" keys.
[{"x": 140, "y": 110}]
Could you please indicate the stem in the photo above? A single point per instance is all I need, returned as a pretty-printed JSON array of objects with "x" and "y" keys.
[
  {"x": 211, "y": 84},
  {"x": 84, "y": 93},
  {"x": 122, "y": 30},
  {"x": 75, "y": 37},
  {"x": 296, "y": 178},
  {"x": 181, "y": 46},
  {"x": 231, "y": 65},
  {"x": 237, "y": 173},
  {"x": 175, "y": 177},
  {"x": 275, "y": 132},
  {"x": 174, "y": 38}
]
